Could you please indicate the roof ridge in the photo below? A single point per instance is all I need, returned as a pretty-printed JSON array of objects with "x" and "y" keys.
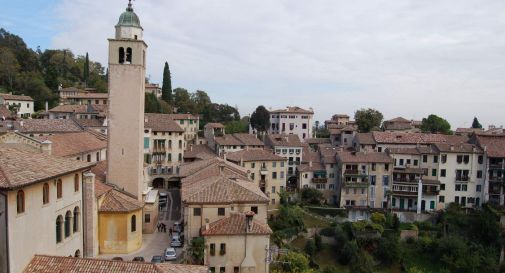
[{"x": 238, "y": 181}]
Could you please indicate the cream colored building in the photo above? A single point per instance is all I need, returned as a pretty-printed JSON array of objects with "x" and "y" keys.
[
  {"x": 36, "y": 186},
  {"x": 24, "y": 104},
  {"x": 164, "y": 146},
  {"x": 190, "y": 123},
  {"x": 365, "y": 179},
  {"x": 267, "y": 170},
  {"x": 88, "y": 146},
  {"x": 237, "y": 243},
  {"x": 289, "y": 147}
]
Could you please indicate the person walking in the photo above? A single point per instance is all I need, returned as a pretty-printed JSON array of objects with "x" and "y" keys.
[{"x": 170, "y": 232}]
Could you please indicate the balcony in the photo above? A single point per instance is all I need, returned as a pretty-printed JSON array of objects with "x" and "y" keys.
[
  {"x": 496, "y": 179},
  {"x": 497, "y": 166},
  {"x": 462, "y": 178},
  {"x": 355, "y": 184},
  {"x": 405, "y": 180},
  {"x": 319, "y": 180},
  {"x": 293, "y": 162},
  {"x": 263, "y": 171},
  {"x": 353, "y": 172},
  {"x": 157, "y": 150},
  {"x": 263, "y": 183},
  {"x": 162, "y": 170}
]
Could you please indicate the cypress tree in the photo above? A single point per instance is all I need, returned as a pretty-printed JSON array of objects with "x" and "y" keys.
[
  {"x": 166, "y": 88},
  {"x": 86, "y": 70}
]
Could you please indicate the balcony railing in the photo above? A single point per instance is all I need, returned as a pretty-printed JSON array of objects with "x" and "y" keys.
[
  {"x": 354, "y": 184},
  {"x": 405, "y": 180},
  {"x": 496, "y": 179},
  {"x": 354, "y": 172},
  {"x": 319, "y": 180},
  {"x": 462, "y": 178},
  {"x": 159, "y": 149}
]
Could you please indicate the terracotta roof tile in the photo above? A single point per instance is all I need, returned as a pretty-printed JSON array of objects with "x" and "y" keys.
[
  {"x": 198, "y": 151},
  {"x": 182, "y": 116},
  {"x": 283, "y": 140},
  {"x": 161, "y": 123},
  {"x": 74, "y": 143},
  {"x": 493, "y": 145},
  {"x": 54, "y": 264},
  {"x": 253, "y": 155},
  {"x": 293, "y": 109},
  {"x": 317, "y": 140},
  {"x": 361, "y": 157},
  {"x": 116, "y": 201},
  {"x": 47, "y": 126},
  {"x": 222, "y": 190},
  {"x": 365, "y": 138},
  {"x": 100, "y": 170},
  {"x": 89, "y": 95},
  {"x": 214, "y": 125},
  {"x": 20, "y": 167},
  {"x": 407, "y": 138},
  {"x": 235, "y": 224},
  {"x": 16, "y": 97}
]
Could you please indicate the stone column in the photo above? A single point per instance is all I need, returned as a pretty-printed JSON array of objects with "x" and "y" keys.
[{"x": 90, "y": 216}]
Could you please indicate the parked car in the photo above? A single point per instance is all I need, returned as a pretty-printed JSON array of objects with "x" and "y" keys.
[
  {"x": 170, "y": 254},
  {"x": 157, "y": 259},
  {"x": 176, "y": 241},
  {"x": 177, "y": 227},
  {"x": 117, "y": 259},
  {"x": 138, "y": 259}
]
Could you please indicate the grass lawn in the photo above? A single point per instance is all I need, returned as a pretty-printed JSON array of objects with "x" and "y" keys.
[{"x": 313, "y": 222}]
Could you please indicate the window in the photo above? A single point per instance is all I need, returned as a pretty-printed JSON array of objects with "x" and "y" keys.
[
  {"x": 435, "y": 159},
  {"x": 273, "y": 189},
  {"x": 129, "y": 55},
  {"x": 20, "y": 201},
  {"x": 458, "y": 187},
  {"x": 444, "y": 158},
  {"x": 121, "y": 55},
  {"x": 68, "y": 221},
  {"x": 373, "y": 179},
  {"x": 45, "y": 193},
  {"x": 433, "y": 172},
  {"x": 197, "y": 211},
  {"x": 464, "y": 187},
  {"x": 385, "y": 180},
  {"x": 442, "y": 172},
  {"x": 252, "y": 176},
  {"x": 212, "y": 250},
  {"x": 459, "y": 159},
  {"x": 273, "y": 202},
  {"x": 97, "y": 156},
  {"x": 181, "y": 121},
  {"x": 441, "y": 199},
  {"x": 147, "y": 218},
  {"x": 254, "y": 209},
  {"x": 456, "y": 199},
  {"x": 386, "y": 167},
  {"x": 466, "y": 159},
  {"x": 479, "y": 188},
  {"x": 416, "y": 162},
  {"x": 373, "y": 167},
  {"x": 479, "y": 174},
  {"x": 88, "y": 158},
  {"x": 222, "y": 250},
  {"x": 274, "y": 175},
  {"x": 282, "y": 163},
  {"x": 442, "y": 187},
  {"x": 379, "y": 149},
  {"x": 179, "y": 157},
  {"x": 282, "y": 174},
  {"x": 146, "y": 143},
  {"x": 180, "y": 144},
  {"x": 304, "y": 125},
  {"x": 133, "y": 223},
  {"x": 59, "y": 222},
  {"x": 401, "y": 161},
  {"x": 425, "y": 158},
  {"x": 59, "y": 190},
  {"x": 253, "y": 165},
  {"x": 76, "y": 219},
  {"x": 222, "y": 269},
  {"x": 220, "y": 211},
  {"x": 480, "y": 159},
  {"x": 274, "y": 164},
  {"x": 76, "y": 183},
  {"x": 236, "y": 269}
]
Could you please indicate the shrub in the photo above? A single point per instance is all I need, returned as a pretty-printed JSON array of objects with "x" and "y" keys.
[
  {"x": 348, "y": 252},
  {"x": 318, "y": 242},
  {"x": 311, "y": 196},
  {"x": 388, "y": 250},
  {"x": 328, "y": 231},
  {"x": 362, "y": 263},
  {"x": 310, "y": 248},
  {"x": 378, "y": 218}
]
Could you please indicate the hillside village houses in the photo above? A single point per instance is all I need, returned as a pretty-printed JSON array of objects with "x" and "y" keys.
[
  {"x": 23, "y": 104},
  {"x": 291, "y": 120}
]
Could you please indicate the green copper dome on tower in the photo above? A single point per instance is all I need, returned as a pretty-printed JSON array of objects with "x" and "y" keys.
[{"x": 129, "y": 18}]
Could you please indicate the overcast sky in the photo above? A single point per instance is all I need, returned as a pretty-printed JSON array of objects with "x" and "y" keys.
[{"x": 404, "y": 58}]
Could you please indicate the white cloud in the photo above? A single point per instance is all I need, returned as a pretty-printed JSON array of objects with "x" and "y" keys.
[{"x": 405, "y": 58}]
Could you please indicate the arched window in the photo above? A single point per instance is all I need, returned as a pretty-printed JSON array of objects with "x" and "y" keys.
[
  {"x": 45, "y": 193},
  {"x": 21, "y": 201},
  {"x": 134, "y": 223},
  {"x": 59, "y": 189},
  {"x": 68, "y": 222},
  {"x": 76, "y": 219},
  {"x": 121, "y": 55},
  {"x": 76, "y": 183},
  {"x": 129, "y": 55},
  {"x": 59, "y": 222},
  {"x": 77, "y": 253}
]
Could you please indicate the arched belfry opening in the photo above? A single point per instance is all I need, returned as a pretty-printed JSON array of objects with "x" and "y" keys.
[
  {"x": 129, "y": 55},
  {"x": 121, "y": 55}
]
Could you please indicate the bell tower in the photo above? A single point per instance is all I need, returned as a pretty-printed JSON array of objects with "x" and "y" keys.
[{"x": 127, "y": 69}]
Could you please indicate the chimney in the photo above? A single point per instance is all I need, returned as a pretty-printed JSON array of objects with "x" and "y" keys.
[
  {"x": 206, "y": 223},
  {"x": 145, "y": 119},
  {"x": 452, "y": 147},
  {"x": 221, "y": 169},
  {"x": 249, "y": 221},
  {"x": 190, "y": 147},
  {"x": 47, "y": 106},
  {"x": 46, "y": 147},
  {"x": 21, "y": 123},
  {"x": 310, "y": 163}
]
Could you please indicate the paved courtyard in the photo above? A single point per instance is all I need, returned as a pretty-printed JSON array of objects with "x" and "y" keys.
[{"x": 156, "y": 243}]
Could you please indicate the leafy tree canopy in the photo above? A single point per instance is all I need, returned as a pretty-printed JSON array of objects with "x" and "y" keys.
[
  {"x": 476, "y": 124},
  {"x": 435, "y": 124},
  {"x": 368, "y": 120},
  {"x": 260, "y": 119}
]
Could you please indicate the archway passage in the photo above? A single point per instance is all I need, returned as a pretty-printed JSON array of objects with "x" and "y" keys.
[{"x": 159, "y": 183}]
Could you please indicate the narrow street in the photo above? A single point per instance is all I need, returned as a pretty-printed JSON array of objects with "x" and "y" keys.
[{"x": 156, "y": 243}]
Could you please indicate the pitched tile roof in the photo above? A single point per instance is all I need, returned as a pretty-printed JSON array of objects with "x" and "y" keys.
[
  {"x": 293, "y": 109},
  {"x": 235, "y": 224},
  {"x": 85, "y": 123},
  {"x": 214, "y": 125},
  {"x": 161, "y": 123},
  {"x": 365, "y": 138},
  {"x": 458, "y": 148},
  {"x": 283, "y": 140},
  {"x": 362, "y": 157},
  {"x": 407, "y": 138},
  {"x": 117, "y": 201},
  {"x": 317, "y": 140},
  {"x": 239, "y": 140},
  {"x": 202, "y": 169},
  {"x": 5, "y": 113},
  {"x": 90, "y": 95},
  {"x": 182, "y": 116},
  {"x": 54, "y": 264},
  {"x": 253, "y": 155},
  {"x": 80, "y": 108},
  {"x": 398, "y": 120},
  {"x": 100, "y": 170},
  {"x": 20, "y": 167},
  {"x": 222, "y": 190},
  {"x": 198, "y": 151},
  {"x": 15, "y": 97},
  {"x": 493, "y": 145},
  {"x": 46, "y": 126},
  {"x": 71, "y": 144},
  {"x": 102, "y": 188}
]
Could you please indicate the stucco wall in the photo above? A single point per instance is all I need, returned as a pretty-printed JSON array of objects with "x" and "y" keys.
[{"x": 115, "y": 234}]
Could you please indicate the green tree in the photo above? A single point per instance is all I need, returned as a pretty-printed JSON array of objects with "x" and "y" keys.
[
  {"x": 435, "y": 124},
  {"x": 378, "y": 218},
  {"x": 237, "y": 126},
  {"x": 348, "y": 252},
  {"x": 476, "y": 124},
  {"x": 260, "y": 119},
  {"x": 166, "y": 88},
  {"x": 86, "y": 71},
  {"x": 368, "y": 120},
  {"x": 388, "y": 250},
  {"x": 310, "y": 248},
  {"x": 197, "y": 249},
  {"x": 183, "y": 102},
  {"x": 311, "y": 196},
  {"x": 201, "y": 100},
  {"x": 318, "y": 242},
  {"x": 153, "y": 105},
  {"x": 362, "y": 263},
  {"x": 295, "y": 262},
  {"x": 9, "y": 67}
]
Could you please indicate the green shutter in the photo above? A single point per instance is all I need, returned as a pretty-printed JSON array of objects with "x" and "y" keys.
[
  {"x": 432, "y": 204},
  {"x": 146, "y": 143}
]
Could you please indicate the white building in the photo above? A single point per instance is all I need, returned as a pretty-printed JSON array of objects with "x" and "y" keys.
[
  {"x": 292, "y": 120},
  {"x": 24, "y": 104}
]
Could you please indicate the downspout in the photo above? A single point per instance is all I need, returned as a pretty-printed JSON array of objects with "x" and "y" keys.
[{"x": 5, "y": 197}]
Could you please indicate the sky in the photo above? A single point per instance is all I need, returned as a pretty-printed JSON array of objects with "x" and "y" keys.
[{"x": 403, "y": 58}]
